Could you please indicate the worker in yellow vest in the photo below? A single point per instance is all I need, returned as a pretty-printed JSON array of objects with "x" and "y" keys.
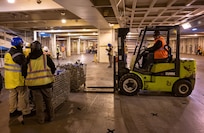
[
  {"x": 63, "y": 50},
  {"x": 125, "y": 54},
  {"x": 39, "y": 78},
  {"x": 110, "y": 54},
  {"x": 58, "y": 51},
  {"x": 14, "y": 80},
  {"x": 26, "y": 50}
]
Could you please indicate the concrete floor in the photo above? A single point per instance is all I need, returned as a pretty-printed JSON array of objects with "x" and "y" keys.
[{"x": 113, "y": 113}]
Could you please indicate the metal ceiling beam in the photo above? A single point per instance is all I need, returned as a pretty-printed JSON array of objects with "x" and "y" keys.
[
  {"x": 167, "y": 7},
  {"x": 46, "y": 23},
  {"x": 117, "y": 14},
  {"x": 86, "y": 11},
  {"x": 158, "y": 8},
  {"x": 133, "y": 12},
  {"x": 150, "y": 7}
]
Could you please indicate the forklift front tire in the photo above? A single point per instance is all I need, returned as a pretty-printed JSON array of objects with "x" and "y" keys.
[{"x": 130, "y": 84}]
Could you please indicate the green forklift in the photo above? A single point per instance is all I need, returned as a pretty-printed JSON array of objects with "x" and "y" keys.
[{"x": 175, "y": 74}]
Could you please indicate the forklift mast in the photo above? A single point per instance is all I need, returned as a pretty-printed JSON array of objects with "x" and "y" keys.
[{"x": 122, "y": 32}]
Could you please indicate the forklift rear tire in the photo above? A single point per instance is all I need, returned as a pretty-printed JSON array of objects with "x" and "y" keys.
[
  {"x": 182, "y": 88},
  {"x": 130, "y": 84}
]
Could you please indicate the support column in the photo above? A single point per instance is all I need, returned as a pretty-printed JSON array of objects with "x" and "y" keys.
[
  {"x": 53, "y": 44},
  {"x": 105, "y": 37},
  {"x": 68, "y": 46},
  {"x": 35, "y": 35},
  {"x": 84, "y": 46},
  {"x": 78, "y": 46}
]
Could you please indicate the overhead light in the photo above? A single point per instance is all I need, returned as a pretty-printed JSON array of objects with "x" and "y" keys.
[
  {"x": 94, "y": 33},
  {"x": 199, "y": 22},
  {"x": 62, "y": 13},
  {"x": 194, "y": 29},
  {"x": 111, "y": 25},
  {"x": 186, "y": 25},
  {"x": 188, "y": 4},
  {"x": 63, "y": 21},
  {"x": 11, "y": 1}
]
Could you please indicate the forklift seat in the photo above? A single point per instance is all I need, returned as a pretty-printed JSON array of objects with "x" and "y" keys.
[{"x": 168, "y": 49}]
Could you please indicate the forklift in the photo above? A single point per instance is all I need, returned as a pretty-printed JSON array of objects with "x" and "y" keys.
[{"x": 175, "y": 74}]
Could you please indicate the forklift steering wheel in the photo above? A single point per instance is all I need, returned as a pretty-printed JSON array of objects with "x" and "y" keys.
[{"x": 141, "y": 54}]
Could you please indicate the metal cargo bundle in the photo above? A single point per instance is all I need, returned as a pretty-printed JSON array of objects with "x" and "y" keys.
[
  {"x": 61, "y": 88},
  {"x": 77, "y": 74}
]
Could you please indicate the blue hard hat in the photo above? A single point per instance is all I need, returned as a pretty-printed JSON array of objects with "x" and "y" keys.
[
  {"x": 109, "y": 45},
  {"x": 16, "y": 41}
]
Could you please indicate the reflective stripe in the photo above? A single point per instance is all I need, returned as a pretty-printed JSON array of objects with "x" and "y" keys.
[
  {"x": 16, "y": 54},
  {"x": 12, "y": 70},
  {"x": 12, "y": 67},
  {"x": 39, "y": 77},
  {"x": 16, "y": 65},
  {"x": 39, "y": 71}
]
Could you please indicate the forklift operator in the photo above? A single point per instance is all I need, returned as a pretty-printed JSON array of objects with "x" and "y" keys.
[{"x": 156, "y": 53}]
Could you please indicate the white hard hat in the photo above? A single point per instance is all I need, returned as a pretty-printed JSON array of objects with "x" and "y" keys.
[
  {"x": 45, "y": 48},
  {"x": 27, "y": 44}
]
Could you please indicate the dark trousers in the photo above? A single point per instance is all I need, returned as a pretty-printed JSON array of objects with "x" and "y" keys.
[
  {"x": 57, "y": 56},
  {"x": 110, "y": 57},
  {"x": 148, "y": 60},
  {"x": 43, "y": 103}
]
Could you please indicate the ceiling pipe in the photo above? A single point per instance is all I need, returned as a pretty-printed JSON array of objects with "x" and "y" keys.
[
  {"x": 118, "y": 4},
  {"x": 124, "y": 7}
]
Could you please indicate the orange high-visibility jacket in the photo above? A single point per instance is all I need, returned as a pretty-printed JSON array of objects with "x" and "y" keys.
[{"x": 161, "y": 53}]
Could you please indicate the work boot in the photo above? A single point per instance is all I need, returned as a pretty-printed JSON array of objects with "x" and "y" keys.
[
  {"x": 33, "y": 113},
  {"x": 41, "y": 121},
  {"x": 50, "y": 119},
  {"x": 15, "y": 113}
]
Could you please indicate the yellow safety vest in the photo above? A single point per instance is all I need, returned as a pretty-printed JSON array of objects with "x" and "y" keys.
[
  {"x": 58, "y": 50},
  {"x": 111, "y": 51},
  {"x": 38, "y": 72},
  {"x": 125, "y": 49},
  {"x": 12, "y": 72},
  {"x": 27, "y": 51}
]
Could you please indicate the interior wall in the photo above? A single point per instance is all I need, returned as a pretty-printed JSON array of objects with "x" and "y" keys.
[
  {"x": 74, "y": 47},
  {"x": 188, "y": 45},
  {"x": 131, "y": 44},
  {"x": 5, "y": 39},
  {"x": 105, "y": 37}
]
